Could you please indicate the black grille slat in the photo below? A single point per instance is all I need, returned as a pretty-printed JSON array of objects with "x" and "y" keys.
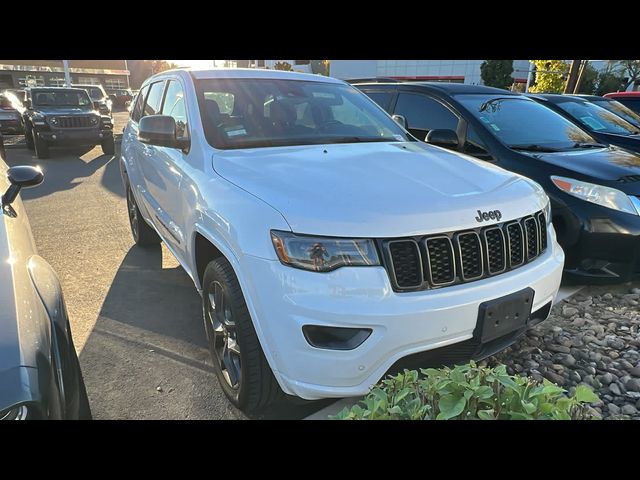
[
  {"x": 515, "y": 235},
  {"x": 531, "y": 235},
  {"x": 433, "y": 261},
  {"x": 542, "y": 226},
  {"x": 74, "y": 122},
  {"x": 470, "y": 251},
  {"x": 440, "y": 260},
  {"x": 496, "y": 250},
  {"x": 629, "y": 179},
  {"x": 407, "y": 265}
]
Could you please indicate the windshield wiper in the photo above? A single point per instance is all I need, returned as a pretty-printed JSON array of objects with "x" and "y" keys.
[
  {"x": 360, "y": 139},
  {"x": 588, "y": 145},
  {"x": 533, "y": 147}
]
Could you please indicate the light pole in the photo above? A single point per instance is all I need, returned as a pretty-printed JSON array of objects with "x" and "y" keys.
[
  {"x": 126, "y": 67},
  {"x": 67, "y": 75}
]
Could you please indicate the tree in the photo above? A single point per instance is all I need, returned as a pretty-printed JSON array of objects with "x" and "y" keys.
[
  {"x": 609, "y": 82},
  {"x": 632, "y": 68},
  {"x": 588, "y": 80},
  {"x": 497, "y": 73},
  {"x": 158, "y": 66},
  {"x": 550, "y": 76},
  {"x": 143, "y": 69},
  {"x": 283, "y": 66},
  {"x": 320, "y": 67}
]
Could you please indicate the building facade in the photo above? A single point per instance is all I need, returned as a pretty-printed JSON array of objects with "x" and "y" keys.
[{"x": 111, "y": 74}]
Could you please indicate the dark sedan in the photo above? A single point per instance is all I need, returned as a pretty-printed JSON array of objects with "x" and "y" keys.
[
  {"x": 594, "y": 188},
  {"x": 10, "y": 117},
  {"x": 600, "y": 123},
  {"x": 40, "y": 376},
  {"x": 628, "y": 99}
]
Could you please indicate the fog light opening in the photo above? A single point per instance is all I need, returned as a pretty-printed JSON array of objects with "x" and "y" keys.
[{"x": 335, "y": 338}]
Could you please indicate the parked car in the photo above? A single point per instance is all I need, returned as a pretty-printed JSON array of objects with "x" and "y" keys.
[
  {"x": 3, "y": 152},
  {"x": 328, "y": 245},
  {"x": 64, "y": 116},
  {"x": 10, "y": 117},
  {"x": 120, "y": 98},
  {"x": 615, "y": 107},
  {"x": 40, "y": 375},
  {"x": 601, "y": 124},
  {"x": 594, "y": 189},
  {"x": 101, "y": 100},
  {"x": 628, "y": 99}
]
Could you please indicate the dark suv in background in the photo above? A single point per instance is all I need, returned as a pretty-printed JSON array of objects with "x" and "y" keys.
[
  {"x": 64, "y": 117},
  {"x": 101, "y": 100},
  {"x": 594, "y": 188}
]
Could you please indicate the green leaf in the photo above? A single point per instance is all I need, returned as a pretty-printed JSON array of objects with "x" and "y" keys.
[
  {"x": 585, "y": 394},
  {"x": 528, "y": 407},
  {"x": 403, "y": 394},
  {"x": 396, "y": 410},
  {"x": 552, "y": 389},
  {"x": 486, "y": 414},
  {"x": 484, "y": 392},
  {"x": 450, "y": 407},
  {"x": 508, "y": 382},
  {"x": 431, "y": 372},
  {"x": 519, "y": 416}
]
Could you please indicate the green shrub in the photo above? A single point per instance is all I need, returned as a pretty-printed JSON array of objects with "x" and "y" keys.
[{"x": 469, "y": 392}]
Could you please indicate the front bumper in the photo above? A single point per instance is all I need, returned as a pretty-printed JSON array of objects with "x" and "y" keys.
[
  {"x": 284, "y": 299},
  {"x": 602, "y": 245},
  {"x": 80, "y": 137}
]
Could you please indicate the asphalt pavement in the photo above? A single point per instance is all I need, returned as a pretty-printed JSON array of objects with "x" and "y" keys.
[{"x": 135, "y": 314}]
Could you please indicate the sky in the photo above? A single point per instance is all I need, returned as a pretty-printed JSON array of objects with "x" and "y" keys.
[{"x": 197, "y": 63}]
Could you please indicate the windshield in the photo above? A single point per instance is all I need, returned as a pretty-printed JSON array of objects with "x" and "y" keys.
[
  {"x": 95, "y": 93},
  {"x": 61, "y": 98},
  {"x": 520, "y": 122},
  {"x": 252, "y": 113},
  {"x": 598, "y": 118},
  {"x": 620, "y": 110}
]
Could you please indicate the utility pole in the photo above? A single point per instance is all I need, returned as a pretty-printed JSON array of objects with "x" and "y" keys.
[
  {"x": 126, "y": 67},
  {"x": 573, "y": 76},
  {"x": 583, "y": 67},
  {"x": 529, "y": 75},
  {"x": 67, "y": 75}
]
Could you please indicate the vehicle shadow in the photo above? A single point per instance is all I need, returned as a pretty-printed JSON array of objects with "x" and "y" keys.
[
  {"x": 62, "y": 171},
  {"x": 111, "y": 179},
  {"x": 149, "y": 335}
]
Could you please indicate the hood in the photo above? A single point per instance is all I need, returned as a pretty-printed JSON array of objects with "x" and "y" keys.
[
  {"x": 602, "y": 165},
  {"x": 63, "y": 110},
  {"x": 377, "y": 189},
  {"x": 629, "y": 142}
]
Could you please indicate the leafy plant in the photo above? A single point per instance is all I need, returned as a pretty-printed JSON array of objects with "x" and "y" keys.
[
  {"x": 469, "y": 392},
  {"x": 283, "y": 66},
  {"x": 550, "y": 76},
  {"x": 497, "y": 73}
]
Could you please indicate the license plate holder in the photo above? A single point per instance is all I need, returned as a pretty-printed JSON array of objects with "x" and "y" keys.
[{"x": 501, "y": 316}]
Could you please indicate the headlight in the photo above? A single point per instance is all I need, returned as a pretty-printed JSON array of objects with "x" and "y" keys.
[
  {"x": 38, "y": 119},
  {"x": 94, "y": 120},
  {"x": 16, "y": 413},
  {"x": 598, "y": 194},
  {"x": 53, "y": 121},
  {"x": 323, "y": 254}
]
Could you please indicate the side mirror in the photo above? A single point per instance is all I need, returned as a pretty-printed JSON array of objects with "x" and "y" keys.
[
  {"x": 442, "y": 138},
  {"x": 159, "y": 130},
  {"x": 96, "y": 104},
  {"x": 23, "y": 176},
  {"x": 400, "y": 120}
]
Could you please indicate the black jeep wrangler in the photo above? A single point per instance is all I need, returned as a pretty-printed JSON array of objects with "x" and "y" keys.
[{"x": 65, "y": 117}]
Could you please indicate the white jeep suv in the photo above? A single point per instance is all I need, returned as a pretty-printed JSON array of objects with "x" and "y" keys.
[{"x": 329, "y": 246}]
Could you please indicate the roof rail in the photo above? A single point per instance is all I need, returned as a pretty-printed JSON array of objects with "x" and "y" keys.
[{"x": 373, "y": 80}]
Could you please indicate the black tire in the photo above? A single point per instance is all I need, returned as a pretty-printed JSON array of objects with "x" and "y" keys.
[
  {"x": 108, "y": 146},
  {"x": 256, "y": 387},
  {"x": 84, "y": 409},
  {"x": 28, "y": 137},
  {"x": 41, "y": 147},
  {"x": 143, "y": 234}
]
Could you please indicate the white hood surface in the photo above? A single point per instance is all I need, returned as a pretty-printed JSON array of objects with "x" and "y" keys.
[{"x": 377, "y": 189}]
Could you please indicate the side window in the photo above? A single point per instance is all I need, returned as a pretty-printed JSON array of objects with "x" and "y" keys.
[
  {"x": 381, "y": 98},
  {"x": 152, "y": 105},
  {"x": 424, "y": 114},
  {"x": 174, "y": 107},
  {"x": 474, "y": 145},
  {"x": 136, "y": 112}
]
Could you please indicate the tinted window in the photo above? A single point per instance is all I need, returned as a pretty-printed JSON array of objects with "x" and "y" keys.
[
  {"x": 136, "y": 112},
  {"x": 152, "y": 105},
  {"x": 474, "y": 144},
  {"x": 518, "y": 121},
  {"x": 597, "y": 118},
  {"x": 423, "y": 113},
  {"x": 620, "y": 110},
  {"x": 61, "y": 98},
  {"x": 381, "y": 98},
  {"x": 174, "y": 107},
  {"x": 632, "y": 103},
  {"x": 246, "y": 113}
]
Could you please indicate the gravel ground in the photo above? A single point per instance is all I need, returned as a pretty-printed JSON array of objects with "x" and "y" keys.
[{"x": 592, "y": 338}]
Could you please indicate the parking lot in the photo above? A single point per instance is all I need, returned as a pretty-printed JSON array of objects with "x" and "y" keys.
[{"x": 136, "y": 316}]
